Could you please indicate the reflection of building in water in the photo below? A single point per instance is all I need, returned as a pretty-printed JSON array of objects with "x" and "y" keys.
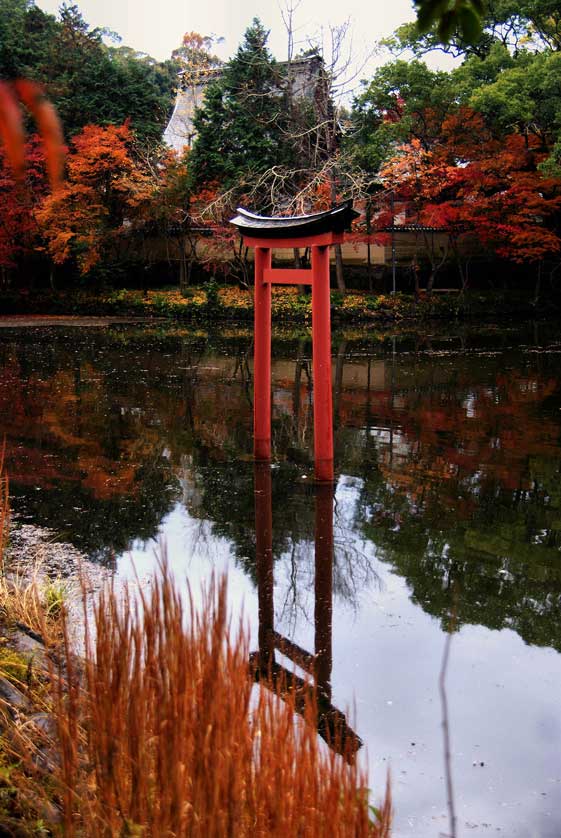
[
  {"x": 331, "y": 723},
  {"x": 191, "y": 495}
]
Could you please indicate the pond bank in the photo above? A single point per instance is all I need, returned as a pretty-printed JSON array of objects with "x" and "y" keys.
[
  {"x": 40, "y": 580},
  {"x": 32, "y": 548},
  {"x": 23, "y": 321},
  {"x": 213, "y": 303}
]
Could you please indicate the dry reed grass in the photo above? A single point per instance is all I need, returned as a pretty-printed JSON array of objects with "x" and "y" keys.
[
  {"x": 4, "y": 507},
  {"x": 163, "y": 734},
  {"x": 19, "y": 601},
  {"x": 25, "y": 738},
  {"x": 28, "y": 601}
]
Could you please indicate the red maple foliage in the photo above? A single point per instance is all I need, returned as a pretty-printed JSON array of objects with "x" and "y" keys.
[
  {"x": 18, "y": 227},
  {"x": 473, "y": 185}
]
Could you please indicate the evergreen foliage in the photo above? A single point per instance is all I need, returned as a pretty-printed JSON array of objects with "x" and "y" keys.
[
  {"x": 241, "y": 126},
  {"x": 87, "y": 81},
  {"x": 509, "y": 76}
]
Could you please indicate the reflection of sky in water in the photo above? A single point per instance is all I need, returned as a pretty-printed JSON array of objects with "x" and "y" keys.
[
  {"x": 451, "y": 465},
  {"x": 387, "y": 653},
  {"x": 194, "y": 554}
]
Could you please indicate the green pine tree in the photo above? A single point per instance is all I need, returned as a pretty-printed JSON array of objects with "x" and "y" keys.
[{"x": 241, "y": 127}]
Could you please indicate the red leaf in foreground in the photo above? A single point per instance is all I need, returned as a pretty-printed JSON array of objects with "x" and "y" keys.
[
  {"x": 48, "y": 123},
  {"x": 11, "y": 128}
]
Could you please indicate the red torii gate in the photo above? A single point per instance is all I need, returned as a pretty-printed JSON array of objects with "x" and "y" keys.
[{"x": 318, "y": 232}]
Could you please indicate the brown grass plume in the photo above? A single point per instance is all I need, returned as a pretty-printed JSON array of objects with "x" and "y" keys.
[
  {"x": 4, "y": 507},
  {"x": 163, "y": 733}
]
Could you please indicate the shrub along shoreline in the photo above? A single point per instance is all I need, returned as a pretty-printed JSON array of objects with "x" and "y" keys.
[{"x": 212, "y": 302}]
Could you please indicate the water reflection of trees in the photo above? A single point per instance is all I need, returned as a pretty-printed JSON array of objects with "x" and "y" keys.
[
  {"x": 453, "y": 460},
  {"x": 99, "y": 423},
  {"x": 223, "y": 494},
  {"x": 80, "y": 461},
  {"x": 466, "y": 496}
]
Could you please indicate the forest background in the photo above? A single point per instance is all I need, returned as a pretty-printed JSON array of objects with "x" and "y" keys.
[{"x": 472, "y": 154}]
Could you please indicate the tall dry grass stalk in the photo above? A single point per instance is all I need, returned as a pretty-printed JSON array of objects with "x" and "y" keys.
[
  {"x": 28, "y": 598},
  {"x": 4, "y": 507},
  {"x": 162, "y": 733},
  {"x": 25, "y": 738},
  {"x": 24, "y": 601}
]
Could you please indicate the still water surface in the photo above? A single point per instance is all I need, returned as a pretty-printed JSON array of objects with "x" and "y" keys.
[{"x": 447, "y": 502}]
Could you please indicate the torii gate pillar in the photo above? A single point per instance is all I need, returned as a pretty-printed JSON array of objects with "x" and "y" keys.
[
  {"x": 317, "y": 232},
  {"x": 318, "y": 278},
  {"x": 262, "y": 357}
]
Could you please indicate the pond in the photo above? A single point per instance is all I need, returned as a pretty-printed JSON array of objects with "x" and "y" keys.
[{"x": 446, "y": 514}]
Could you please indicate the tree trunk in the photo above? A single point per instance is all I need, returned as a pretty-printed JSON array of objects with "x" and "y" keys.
[
  {"x": 415, "y": 266},
  {"x": 416, "y": 279},
  {"x": 182, "y": 278},
  {"x": 368, "y": 250},
  {"x": 297, "y": 262},
  {"x": 338, "y": 249},
  {"x": 435, "y": 263},
  {"x": 537, "y": 287},
  {"x": 339, "y": 269},
  {"x": 463, "y": 267},
  {"x": 183, "y": 275}
]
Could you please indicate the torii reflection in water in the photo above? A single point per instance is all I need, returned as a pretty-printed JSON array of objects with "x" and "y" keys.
[{"x": 332, "y": 724}]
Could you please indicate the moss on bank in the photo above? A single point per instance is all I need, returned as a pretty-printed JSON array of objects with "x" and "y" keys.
[{"x": 213, "y": 303}]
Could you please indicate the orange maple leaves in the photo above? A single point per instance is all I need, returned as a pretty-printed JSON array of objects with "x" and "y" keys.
[{"x": 105, "y": 187}]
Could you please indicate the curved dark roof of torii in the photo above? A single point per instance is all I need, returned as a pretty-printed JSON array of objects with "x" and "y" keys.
[{"x": 335, "y": 220}]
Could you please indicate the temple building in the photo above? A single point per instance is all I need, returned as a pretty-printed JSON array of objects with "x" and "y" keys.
[{"x": 308, "y": 82}]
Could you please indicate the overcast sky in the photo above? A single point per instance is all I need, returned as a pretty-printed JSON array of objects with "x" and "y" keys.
[{"x": 156, "y": 26}]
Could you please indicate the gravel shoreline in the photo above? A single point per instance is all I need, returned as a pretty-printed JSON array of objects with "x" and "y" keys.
[
  {"x": 31, "y": 547},
  {"x": 34, "y": 553}
]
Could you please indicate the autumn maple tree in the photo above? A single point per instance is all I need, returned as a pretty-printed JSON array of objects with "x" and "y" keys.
[
  {"x": 105, "y": 191},
  {"x": 478, "y": 188},
  {"x": 19, "y": 198}
]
